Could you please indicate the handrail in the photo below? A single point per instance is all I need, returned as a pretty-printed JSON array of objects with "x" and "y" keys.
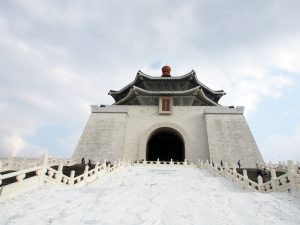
[
  {"x": 285, "y": 182},
  {"x": 17, "y": 173}
]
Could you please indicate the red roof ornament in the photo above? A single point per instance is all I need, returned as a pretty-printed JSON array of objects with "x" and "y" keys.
[{"x": 166, "y": 71}]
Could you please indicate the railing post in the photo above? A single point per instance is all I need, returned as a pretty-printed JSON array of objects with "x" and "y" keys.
[
  {"x": 216, "y": 166},
  {"x": 291, "y": 172},
  {"x": 185, "y": 162},
  {"x": 273, "y": 173},
  {"x": 225, "y": 170},
  {"x": 260, "y": 183},
  {"x": 171, "y": 163},
  {"x": 97, "y": 168},
  {"x": 234, "y": 167},
  {"x": 273, "y": 179},
  {"x": 44, "y": 167},
  {"x": 245, "y": 177},
  {"x": 72, "y": 175},
  {"x": 105, "y": 166},
  {"x": 85, "y": 175},
  {"x": 59, "y": 173},
  {"x": 20, "y": 177}
]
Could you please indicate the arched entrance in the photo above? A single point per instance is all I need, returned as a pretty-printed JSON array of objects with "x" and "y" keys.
[{"x": 166, "y": 144}]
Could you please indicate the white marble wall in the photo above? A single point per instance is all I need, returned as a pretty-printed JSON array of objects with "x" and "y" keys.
[
  {"x": 115, "y": 132},
  {"x": 102, "y": 138},
  {"x": 230, "y": 139}
]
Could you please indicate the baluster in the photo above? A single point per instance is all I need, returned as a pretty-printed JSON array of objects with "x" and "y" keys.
[
  {"x": 216, "y": 166},
  {"x": 59, "y": 173},
  {"x": 72, "y": 175},
  {"x": 42, "y": 172},
  {"x": 245, "y": 177},
  {"x": 225, "y": 170},
  {"x": 273, "y": 173},
  {"x": 20, "y": 177},
  {"x": 97, "y": 167},
  {"x": 50, "y": 173},
  {"x": 199, "y": 163},
  {"x": 260, "y": 183},
  {"x": 291, "y": 173},
  {"x": 234, "y": 167},
  {"x": 85, "y": 175},
  {"x": 273, "y": 179}
]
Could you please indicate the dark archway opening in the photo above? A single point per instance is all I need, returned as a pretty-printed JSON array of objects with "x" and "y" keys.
[{"x": 165, "y": 144}]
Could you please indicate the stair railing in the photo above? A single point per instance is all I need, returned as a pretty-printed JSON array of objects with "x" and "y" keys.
[{"x": 286, "y": 182}]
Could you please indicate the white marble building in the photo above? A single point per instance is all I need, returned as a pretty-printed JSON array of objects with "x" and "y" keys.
[{"x": 168, "y": 117}]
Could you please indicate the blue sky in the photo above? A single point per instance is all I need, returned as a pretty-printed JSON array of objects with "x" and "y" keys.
[{"x": 59, "y": 57}]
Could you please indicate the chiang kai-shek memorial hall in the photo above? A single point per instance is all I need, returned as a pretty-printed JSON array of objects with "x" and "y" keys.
[{"x": 168, "y": 117}]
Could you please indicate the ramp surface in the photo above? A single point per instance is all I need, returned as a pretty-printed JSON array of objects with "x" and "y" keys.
[{"x": 143, "y": 195}]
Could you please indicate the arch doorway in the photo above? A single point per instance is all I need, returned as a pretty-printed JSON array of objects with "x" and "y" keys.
[{"x": 166, "y": 144}]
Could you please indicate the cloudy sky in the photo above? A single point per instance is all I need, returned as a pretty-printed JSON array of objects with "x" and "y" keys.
[{"x": 59, "y": 57}]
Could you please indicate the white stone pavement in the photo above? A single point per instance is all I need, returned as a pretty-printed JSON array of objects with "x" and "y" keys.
[{"x": 144, "y": 195}]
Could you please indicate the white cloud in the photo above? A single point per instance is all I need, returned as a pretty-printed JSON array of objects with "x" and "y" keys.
[
  {"x": 14, "y": 145},
  {"x": 282, "y": 147}
]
